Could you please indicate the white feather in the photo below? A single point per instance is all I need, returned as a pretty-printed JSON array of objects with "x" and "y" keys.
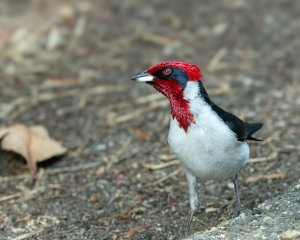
[{"x": 209, "y": 150}]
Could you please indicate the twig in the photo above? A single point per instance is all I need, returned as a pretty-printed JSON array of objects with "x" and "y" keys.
[
  {"x": 8, "y": 197},
  {"x": 255, "y": 178},
  {"x": 116, "y": 157},
  {"x": 114, "y": 198},
  {"x": 138, "y": 101},
  {"x": 165, "y": 178},
  {"x": 223, "y": 90},
  {"x": 274, "y": 154},
  {"x": 7, "y": 108},
  {"x": 167, "y": 157},
  {"x": 44, "y": 97},
  {"x": 216, "y": 60},
  {"x": 28, "y": 235},
  {"x": 149, "y": 98},
  {"x": 80, "y": 167},
  {"x": 161, "y": 165},
  {"x": 153, "y": 38},
  {"x": 138, "y": 112},
  {"x": 288, "y": 148},
  {"x": 123, "y": 148}
]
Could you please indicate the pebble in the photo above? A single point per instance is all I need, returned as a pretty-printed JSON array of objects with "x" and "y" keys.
[
  {"x": 82, "y": 231},
  {"x": 297, "y": 187},
  {"x": 54, "y": 39},
  {"x": 290, "y": 234}
]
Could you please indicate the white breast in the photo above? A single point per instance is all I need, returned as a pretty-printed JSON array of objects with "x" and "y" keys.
[{"x": 209, "y": 149}]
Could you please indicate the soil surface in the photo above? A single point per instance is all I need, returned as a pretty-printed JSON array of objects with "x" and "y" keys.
[
  {"x": 67, "y": 65},
  {"x": 273, "y": 219}
]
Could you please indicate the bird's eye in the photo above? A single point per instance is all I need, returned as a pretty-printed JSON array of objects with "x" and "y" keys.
[{"x": 167, "y": 71}]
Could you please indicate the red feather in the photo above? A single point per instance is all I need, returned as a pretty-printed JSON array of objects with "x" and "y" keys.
[
  {"x": 179, "y": 106},
  {"x": 193, "y": 72}
]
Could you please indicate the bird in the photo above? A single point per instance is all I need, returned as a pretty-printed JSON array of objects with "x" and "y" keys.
[{"x": 210, "y": 143}]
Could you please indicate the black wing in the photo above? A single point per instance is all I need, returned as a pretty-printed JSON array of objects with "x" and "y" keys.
[
  {"x": 252, "y": 128},
  {"x": 243, "y": 130},
  {"x": 232, "y": 121}
]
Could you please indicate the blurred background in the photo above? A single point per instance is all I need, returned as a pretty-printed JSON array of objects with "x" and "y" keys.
[{"x": 67, "y": 65}]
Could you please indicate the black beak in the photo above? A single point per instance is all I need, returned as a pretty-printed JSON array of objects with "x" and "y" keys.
[{"x": 143, "y": 77}]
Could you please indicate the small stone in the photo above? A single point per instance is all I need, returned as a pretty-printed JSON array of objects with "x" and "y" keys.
[
  {"x": 86, "y": 217},
  {"x": 82, "y": 231},
  {"x": 267, "y": 207},
  {"x": 67, "y": 13},
  {"x": 290, "y": 234},
  {"x": 257, "y": 234},
  {"x": 267, "y": 219},
  {"x": 220, "y": 28},
  {"x": 19, "y": 35},
  {"x": 230, "y": 185},
  {"x": 135, "y": 165},
  {"x": 55, "y": 39},
  {"x": 277, "y": 94},
  {"x": 100, "y": 147},
  {"x": 93, "y": 199},
  {"x": 80, "y": 26},
  {"x": 243, "y": 216}
]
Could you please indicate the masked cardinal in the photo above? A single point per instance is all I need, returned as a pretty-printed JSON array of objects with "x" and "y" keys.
[{"x": 210, "y": 142}]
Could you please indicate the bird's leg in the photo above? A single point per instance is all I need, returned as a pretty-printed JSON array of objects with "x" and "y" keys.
[
  {"x": 237, "y": 203},
  {"x": 192, "y": 182}
]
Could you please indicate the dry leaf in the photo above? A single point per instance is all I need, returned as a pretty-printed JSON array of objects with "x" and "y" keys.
[
  {"x": 24, "y": 218},
  {"x": 125, "y": 217},
  {"x": 32, "y": 143},
  {"x": 137, "y": 228},
  {"x": 141, "y": 134},
  {"x": 256, "y": 178}
]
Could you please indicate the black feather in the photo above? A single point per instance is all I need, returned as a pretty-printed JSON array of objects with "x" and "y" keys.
[
  {"x": 252, "y": 128},
  {"x": 254, "y": 139},
  {"x": 242, "y": 130}
]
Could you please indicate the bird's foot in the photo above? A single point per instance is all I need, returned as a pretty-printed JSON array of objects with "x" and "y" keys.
[
  {"x": 187, "y": 232},
  {"x": 236, "y": 212}
]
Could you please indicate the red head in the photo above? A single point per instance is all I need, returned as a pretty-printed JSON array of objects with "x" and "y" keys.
[
  {"x": 192, "y": 72},
  {"x": 170, "y": 78}
]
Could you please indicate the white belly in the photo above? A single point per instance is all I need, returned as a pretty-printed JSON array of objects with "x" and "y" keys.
[{"x": 209, "y": 149}]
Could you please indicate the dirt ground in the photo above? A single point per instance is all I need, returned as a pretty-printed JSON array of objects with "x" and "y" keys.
[{"x": 67, "y": 65}]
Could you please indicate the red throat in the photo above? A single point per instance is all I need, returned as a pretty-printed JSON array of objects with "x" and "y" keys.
[{"x": 180, "y": 107}]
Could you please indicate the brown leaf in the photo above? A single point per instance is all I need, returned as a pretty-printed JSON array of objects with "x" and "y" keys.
[
  {"x": 256, "y": 178},
  {"x": 32, "y": 143},
  {"x": 24, "y": 218},
  {"x": 125, "y": 217},
  {"x": 137, "y": 228},
  {"x": 130, "y": 233},
  {"x": 141, "y": 134}
]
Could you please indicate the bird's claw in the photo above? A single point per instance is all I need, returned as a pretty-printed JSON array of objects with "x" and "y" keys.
[
  {"x": 235, "y": 213},
  {"x": 187, "y": 232}
]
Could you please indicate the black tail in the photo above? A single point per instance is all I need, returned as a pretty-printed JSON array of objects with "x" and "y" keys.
[{"x": 252, "y": 128}]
